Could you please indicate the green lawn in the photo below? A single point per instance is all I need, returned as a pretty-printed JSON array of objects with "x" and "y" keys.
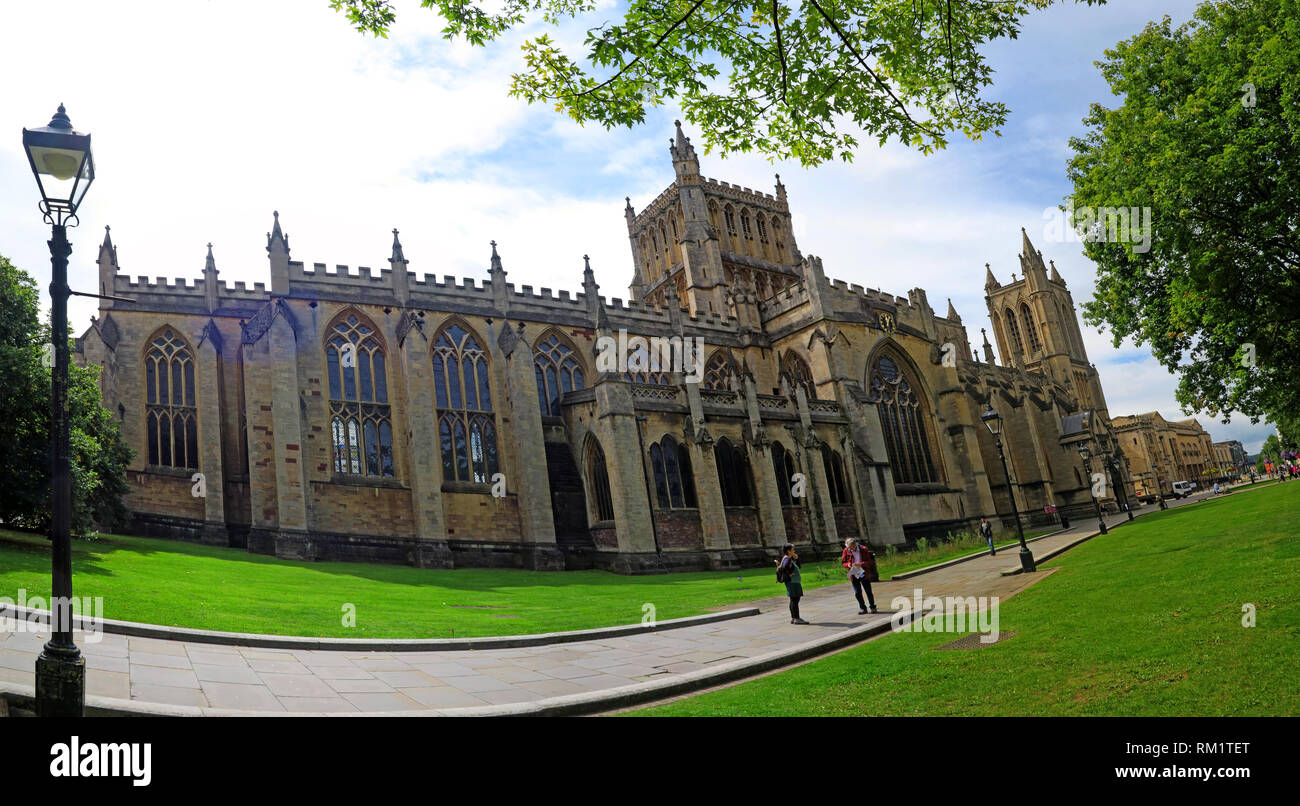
[
  {"x": 1144, "y": 621},
  {"x": 205, "y": 587}
]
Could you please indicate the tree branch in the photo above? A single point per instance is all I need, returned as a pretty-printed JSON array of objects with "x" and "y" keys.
[{"x": 879, "y": 82}]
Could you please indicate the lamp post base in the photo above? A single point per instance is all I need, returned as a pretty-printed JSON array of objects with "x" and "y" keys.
[
  {"x": 1027, "y": 561},
  {"x": 1101, "y": 525},
  {"x": 60, "y": 685}
]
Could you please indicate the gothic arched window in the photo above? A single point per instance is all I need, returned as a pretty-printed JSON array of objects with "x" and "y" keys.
[
  {"x": 674, "y": 482},
  {"x": 783, "y": 464},
  {"x": 730, "y": 216},
  {"x": 171, "y": 416},
  {"x": 902, "y": 419},
  {"x": 360, "y": 419},
  {"x": 467, "y": 432},
  {"x": 836, "y": 479},
  {"x": 1014, "y": 332},
  {"x": 558, "y": 371},
  {"x": 598, "y": 481},
  {"x": 1031, "y": 332},
  {"x": 798, "y": 373},
  {"x": 646, "y": 376},
  {"x": 734, "y": 475},
  {"x": 717, "y": 370},
  {"x": 659, "y": 377}
]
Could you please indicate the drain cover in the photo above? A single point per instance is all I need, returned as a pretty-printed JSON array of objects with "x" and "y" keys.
[{"x": 973, "y": 641}]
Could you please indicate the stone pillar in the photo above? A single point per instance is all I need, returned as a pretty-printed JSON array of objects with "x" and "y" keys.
[
  {"x": 875, "y": 487},
  {"x": 291, "y": 540},
  {"x": 619, "y": 438},
  {"x": 529, "y": 478},
  {"x": 208, "y": 377},
  {"x": 821, "y": 511},
  {"x": 430, "y": 530},
  {"x": 708, "y": 490},
  {"x": 262, "y": 488},
  {"x": 771, "y": 518}
]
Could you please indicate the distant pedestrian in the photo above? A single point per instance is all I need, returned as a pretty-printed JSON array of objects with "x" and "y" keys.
[
  {"x": 787, "y": 571},
  {"x": 986, "y": 532},
  {"x": 861, "y": 567}
]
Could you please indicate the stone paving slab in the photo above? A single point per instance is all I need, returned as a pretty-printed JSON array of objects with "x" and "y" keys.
[{"x": 180, "y": 677}]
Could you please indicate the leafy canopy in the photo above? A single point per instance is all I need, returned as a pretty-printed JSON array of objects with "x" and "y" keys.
[
  {"x": 99, "y": 457},
  {"x": 801, "y": 78},
  {"x": 1208, "y": 137}
]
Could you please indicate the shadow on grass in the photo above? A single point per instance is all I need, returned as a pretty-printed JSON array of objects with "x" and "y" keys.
[{"x": 30, "y": 552}]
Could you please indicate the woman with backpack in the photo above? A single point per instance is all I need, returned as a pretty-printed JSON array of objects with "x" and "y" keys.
[{"x": 787, "y": 571}]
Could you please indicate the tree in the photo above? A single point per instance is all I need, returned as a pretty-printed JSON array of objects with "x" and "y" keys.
[
  {"x": 1208, "y": 139},
  {"x": 802, "y": 77},
  {"x": 99, "y": 457}
]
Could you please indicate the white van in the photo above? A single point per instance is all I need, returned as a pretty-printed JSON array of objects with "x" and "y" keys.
[{"x": 1182, "y": 489}]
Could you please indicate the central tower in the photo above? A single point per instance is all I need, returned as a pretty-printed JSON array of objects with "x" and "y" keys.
[{"x": 722, "y": 246}]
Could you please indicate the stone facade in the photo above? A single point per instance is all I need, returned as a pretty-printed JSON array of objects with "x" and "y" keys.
[
  {"x": 1163, "y": 452},
  {"x": 383, "y": 415}
]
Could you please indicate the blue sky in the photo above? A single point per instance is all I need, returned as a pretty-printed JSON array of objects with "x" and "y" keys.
[{"x": 244, "y": 107}]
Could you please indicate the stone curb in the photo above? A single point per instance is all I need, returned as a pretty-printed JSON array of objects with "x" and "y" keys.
[
  {"x": 160, "y": 632},
  {"x": 1053, "y": 553},
  {"x": 568, "y": 705},
  {"x": 967, "y": 558}
]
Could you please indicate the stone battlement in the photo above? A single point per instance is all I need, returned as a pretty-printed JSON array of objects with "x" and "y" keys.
[
  {"x": 871, "y": 294},
  {"x": 740, "y": 193}
]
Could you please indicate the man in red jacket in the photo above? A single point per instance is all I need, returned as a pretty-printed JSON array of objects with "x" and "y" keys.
[{"x": 861, "y": 567}]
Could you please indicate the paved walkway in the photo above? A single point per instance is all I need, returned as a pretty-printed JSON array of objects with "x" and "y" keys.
[{"x": 144, "y": 673}]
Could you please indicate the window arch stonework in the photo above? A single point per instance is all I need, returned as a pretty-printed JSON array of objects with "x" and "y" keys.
[
  {"x": 462, "y": 384},
  {"x": 558, "y": 370},
  {"x": 718, "y": 371},
  {"x": 836, "y": 479},
  {"x": 798, "y": 373},
  {"x": 601, "y": 501},
  {"x": 361, "y": 428},
  {"x": 1031, "y": 330},
  {"x": 783, "y": 463},
  {"x": 1013, "y": 330},
  {"x": 734, "y": 475},
  {"x": 903, "y": 420},
  {"x": 674, "y": 483},
  {"x": 171, "y": 411}
]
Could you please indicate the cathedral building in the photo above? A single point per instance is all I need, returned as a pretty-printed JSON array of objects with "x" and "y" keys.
[{"x": 383, "y": 415}]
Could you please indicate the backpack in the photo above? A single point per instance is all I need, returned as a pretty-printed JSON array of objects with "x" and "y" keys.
[{"x": 784, "y": 571}]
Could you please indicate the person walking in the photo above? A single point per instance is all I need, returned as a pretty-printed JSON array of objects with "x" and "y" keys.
[
  {"x": 787, "y": 571},
  {"x": 861, "y": 567},
  {"x": 986, "y": 532}
]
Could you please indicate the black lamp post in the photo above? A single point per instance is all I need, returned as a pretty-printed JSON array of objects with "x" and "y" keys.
[
  {"x": 993, "y": 421},
  {"x": 1087, "y": 467},
  {"x": 1126, "y": 476},
  {"x": 61, "y": 160}
]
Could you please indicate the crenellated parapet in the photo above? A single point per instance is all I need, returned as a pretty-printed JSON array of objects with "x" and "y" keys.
[{"x": 744, "y": 195}]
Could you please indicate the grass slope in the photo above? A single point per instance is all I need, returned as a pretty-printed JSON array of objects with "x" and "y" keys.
[
  {"x": 1144, "y": 621},
  {"x": 212, "y": 588}
]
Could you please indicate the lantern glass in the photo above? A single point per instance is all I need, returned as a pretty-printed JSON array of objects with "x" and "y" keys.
[
  {"x": 993, "y": 421},
  {"x": 1083, "y": 451},
  {"x": 61, "y": 160}
]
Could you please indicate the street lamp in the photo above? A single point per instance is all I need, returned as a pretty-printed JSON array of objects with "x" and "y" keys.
[
  {"x": 993, "y": 421},
  {"x": 60, "y": 159},
  {"x": 1087, "y": 467},
  {"x": 1126, "y": 476}
]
